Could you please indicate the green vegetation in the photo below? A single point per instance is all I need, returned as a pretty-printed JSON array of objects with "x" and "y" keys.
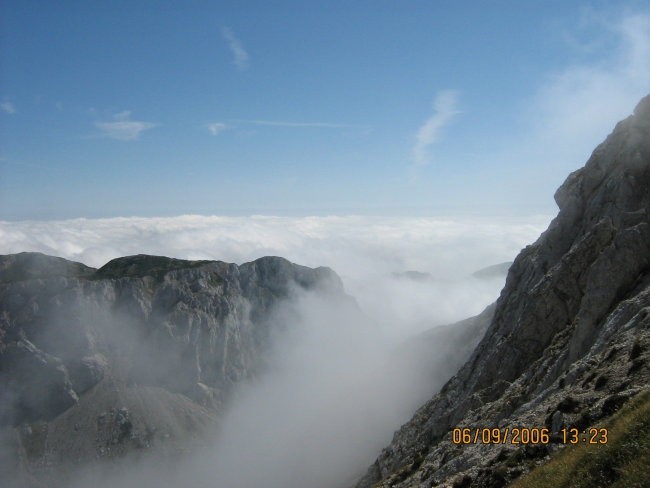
[
  {"x": 624, "y": 462},
  {"x": 142, "y": 265}
]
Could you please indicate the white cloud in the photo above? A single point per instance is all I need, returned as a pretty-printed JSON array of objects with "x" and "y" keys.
[
  {"x": 122, "y": 128},
  {"x": 444, "y": 109},
  {"x": 240, "y": 55},
  {"x": 575, "y": 107},
  {"x": 8, "y": 108},
  {"x": 363, "y": 250},
  {"x": 583, "y": 100},
  {"x": 350, "y": 244},
  {"x": 216, "y": 127},
  {"x": 567, "y": 114}
]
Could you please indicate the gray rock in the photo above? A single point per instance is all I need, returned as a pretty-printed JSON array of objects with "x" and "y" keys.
[
  {"x": 35, "y": 384},
  {"x": 141, "y": 353},
  {"x": 574, "y": 304},
  {"x": 87, "y": 371},
  {"x": 556, "y": 422},
  {"x": 442, "y": 350},
  {"x": 495, "y": 271},
  {"x": 154, "y": 320}
]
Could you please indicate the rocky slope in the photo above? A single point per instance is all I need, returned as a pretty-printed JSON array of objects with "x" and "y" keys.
[
  {"x": 137, "y": 360},
  {"x": 140, "y": 353},
  {"x": 570, "y": 338}
]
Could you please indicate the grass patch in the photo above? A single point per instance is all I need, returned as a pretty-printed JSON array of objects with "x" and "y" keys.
[
  {"x": 143, "y": 265},
  {"x": 623, "y": 462}
]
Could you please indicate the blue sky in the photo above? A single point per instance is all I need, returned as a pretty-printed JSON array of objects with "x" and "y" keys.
[{"x": 308, "y": 108}]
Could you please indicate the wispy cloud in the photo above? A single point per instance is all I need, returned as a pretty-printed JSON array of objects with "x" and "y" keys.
[
  {"x": 444, "y": 109},
  {"x": 285, "y": 123},
  {"x": 241, "y": 58},
  {"x": 122, "y": 128},
  {"x": 215, "y": 128},
  {"x": 576, "y": 106},
  {"x": 582, "y": 100},
  {"x": 8, "y": 108}
]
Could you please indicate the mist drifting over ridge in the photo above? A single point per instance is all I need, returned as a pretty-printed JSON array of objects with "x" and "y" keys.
[
  {"x": 364, "y": 251},
  {"x": 290, "y": 356},
  {"x": 336, "y": 384},
  {"x": 385, "y": 243}
]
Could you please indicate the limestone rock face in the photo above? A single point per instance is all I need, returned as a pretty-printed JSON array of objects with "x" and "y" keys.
[
  {"x": 494, "y": 271},
  {"x": 571, "y": 327},
  {"x": 35, "y": 383},
  {"x": 162, "y": 339}
]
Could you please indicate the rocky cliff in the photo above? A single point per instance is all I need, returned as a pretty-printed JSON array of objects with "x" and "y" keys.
[
  {"x": 570, "y": 338},
  {"x": 140, "y": 356},
  {"x": 143, "y": 352},
  {"x": 136, "y": 361}
]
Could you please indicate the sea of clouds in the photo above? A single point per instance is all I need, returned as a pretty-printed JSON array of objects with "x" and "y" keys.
[
  {"x": 338, "y": 387},
  {"x": 363, "y": 250}
]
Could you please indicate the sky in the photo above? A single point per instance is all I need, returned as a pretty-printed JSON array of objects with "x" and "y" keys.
[{"x": 414, "y": 108}]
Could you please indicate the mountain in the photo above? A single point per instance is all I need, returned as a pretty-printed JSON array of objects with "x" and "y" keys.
[
  {"x": 494, "y": 271},
  {"x": 570, "y": 338},
  {"x": 140, "y": 358},
  {"x": 137, "y": 356}
]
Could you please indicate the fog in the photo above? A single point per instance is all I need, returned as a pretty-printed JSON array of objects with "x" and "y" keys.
[
  {"x": 333, "y": 391},
  {"x": 335, "y": 394},
  {"x": 364, "y": 251},
  {"x": 339, "y": 379}
]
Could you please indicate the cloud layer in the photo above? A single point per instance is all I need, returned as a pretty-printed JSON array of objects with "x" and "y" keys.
[
  {"x": 574, "y": 108},
  {"x": 215, "y": 128},
  {"x": 444, "y": 109},
  {"x": 352, "y": 245},
  {"x": 240, "y": 56},
  {"x": 122, "y": 128},
  {"x": 364, "y": 251}
]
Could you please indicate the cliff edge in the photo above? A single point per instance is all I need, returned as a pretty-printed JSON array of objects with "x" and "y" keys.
[{"x": 569, "y": 341}]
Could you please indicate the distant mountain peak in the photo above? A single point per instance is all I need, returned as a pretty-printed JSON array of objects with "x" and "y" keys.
[{"x": 642, "y": 109}]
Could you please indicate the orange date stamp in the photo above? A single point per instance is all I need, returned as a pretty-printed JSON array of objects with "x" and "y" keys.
[{"x": 527, "y": 435}]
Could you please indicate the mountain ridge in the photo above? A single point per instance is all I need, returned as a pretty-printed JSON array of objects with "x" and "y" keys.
[
  {"x": 581, "y": 291},
  {"x": 138, "y": 357}
]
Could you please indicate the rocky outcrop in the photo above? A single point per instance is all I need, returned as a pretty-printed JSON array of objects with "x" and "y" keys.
[
  {"x": 570, "y": 336},
  {"x": 143, "y": 351},
  {"x": 34, "y": 383}
]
